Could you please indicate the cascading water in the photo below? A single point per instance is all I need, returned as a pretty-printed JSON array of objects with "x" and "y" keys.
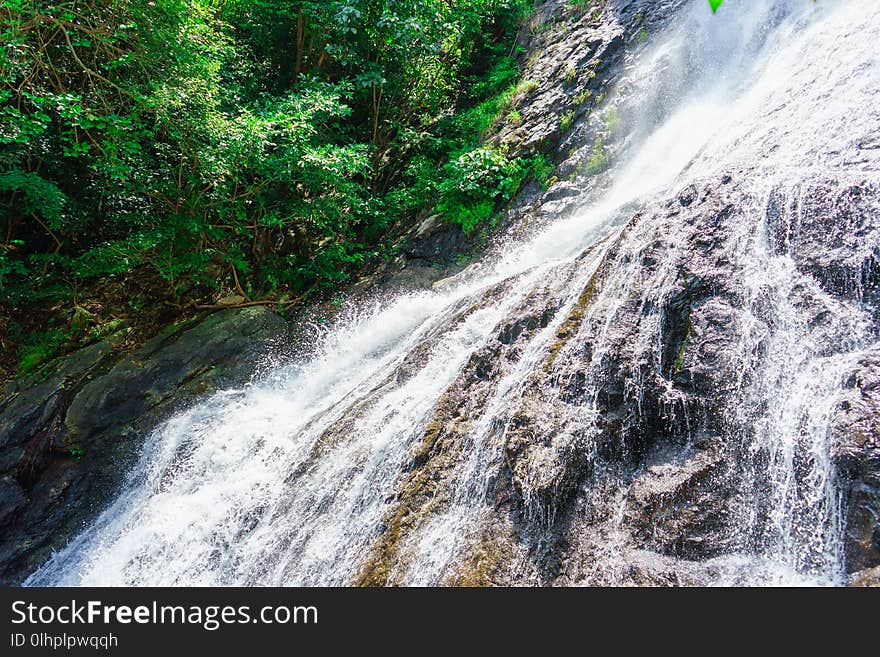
[
  {"x": 789, "y": 386},
  {"x": 316, "y": 473}
]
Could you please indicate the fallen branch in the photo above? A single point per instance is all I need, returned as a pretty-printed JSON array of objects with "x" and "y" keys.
[{"x": 246, "y": 304}]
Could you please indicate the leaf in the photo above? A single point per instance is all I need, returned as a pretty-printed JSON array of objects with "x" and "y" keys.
[{"x": 715, "y": 4}]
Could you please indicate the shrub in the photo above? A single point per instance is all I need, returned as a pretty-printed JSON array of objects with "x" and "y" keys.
[
  {"x": 566, "y": 121},
  {"x": 598, "y": 159}
]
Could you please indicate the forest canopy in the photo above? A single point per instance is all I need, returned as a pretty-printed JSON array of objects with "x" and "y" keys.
[{"x": 266, "y": 147}]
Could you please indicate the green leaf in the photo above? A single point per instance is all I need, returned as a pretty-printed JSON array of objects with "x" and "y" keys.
[{"x": 715, "y": 4}]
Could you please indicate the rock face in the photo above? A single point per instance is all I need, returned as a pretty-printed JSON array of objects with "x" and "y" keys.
[
  {"x": 69, "y": 432},
  {"x": 865, "y": 578},
  {"x": 679, "y": 410},
  {"x": 635, "y": 449}
]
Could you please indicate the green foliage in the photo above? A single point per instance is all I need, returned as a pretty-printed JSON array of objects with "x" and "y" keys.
[
  {"x": 542, "y": 168},
  {"x": 475, "y": 122},
  {"x": 467, "y": 214},
  {"x": 525, "y": 87},
  {"x": 266, "y": 144},
  {"x": 483, "y": 171},
  {"x": 612, "y": 120},
  {"x": 476, "y": 181},
  {"x": 566, "y": 121},
  {"x": 582, "y": 98},
  {"x": 34, "y": 194},
  {"x": 598, "y": 160},
  {"x": 10, "y": 268},
  {"x": 40, "y": 347}
]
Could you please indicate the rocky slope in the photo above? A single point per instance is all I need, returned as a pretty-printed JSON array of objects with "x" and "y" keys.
[
  {"x": 69, "y": 433},
  {"x": 635, "y": 450},
  {"x": 620, "y": 458},
  {"x": 692, "y": 398}
]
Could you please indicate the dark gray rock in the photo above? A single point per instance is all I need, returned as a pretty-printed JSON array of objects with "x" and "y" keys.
[
  {"x": 12, "y": 498},
  {"x": 833, "y": 234},
  {"x": 644, "y": 384},
  {"x": 625, "y": 451},
  {"x": 438, "y": 242}
]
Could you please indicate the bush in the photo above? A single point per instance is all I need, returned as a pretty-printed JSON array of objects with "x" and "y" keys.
[
  {"x": 480, "y": 179},
  {"x": 598, "y": 160}
]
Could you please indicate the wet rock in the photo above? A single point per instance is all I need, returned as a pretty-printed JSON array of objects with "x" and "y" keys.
[
  {"x": 645, "y": 568},
  {"x": 29, "y": 404},
  {"x": 834, "y": 233},
  {"x": 12, "y": 498},
  {"x": 170, "y": 365},
  {"x": 855, "y": 431},
  {"x": 563, "y": 190},
  {"x": 68, "y": 438},
  {"x": 703, "y": 360},
  {"x": 638, "y": 389},
  {"x": 678, "y": 506},
  {"x": 437, "y": 242},
  {"x": 870, "y": 577}
]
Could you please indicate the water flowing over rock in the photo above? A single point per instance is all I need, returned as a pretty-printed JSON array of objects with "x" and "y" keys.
[
  {"x": 67, "y": 438},
  {"x": 665, "y": 372}
]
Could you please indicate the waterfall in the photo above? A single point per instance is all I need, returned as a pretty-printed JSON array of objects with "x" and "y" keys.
[{"x": 380, "y": 455}]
